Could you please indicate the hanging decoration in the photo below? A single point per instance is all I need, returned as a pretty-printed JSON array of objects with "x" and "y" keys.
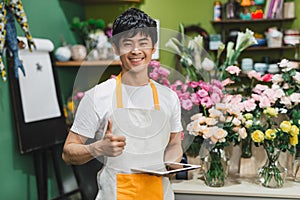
[{"x": 9, "y": 10}]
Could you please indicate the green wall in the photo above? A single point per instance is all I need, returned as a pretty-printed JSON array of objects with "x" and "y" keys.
[
  {"x": 50, "y": 19},
  {"x": 47, "y": 19}
]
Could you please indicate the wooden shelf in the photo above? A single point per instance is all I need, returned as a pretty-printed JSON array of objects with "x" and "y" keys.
[
  {"x": 238, "y": 21},
  {"x": 85, "y": 63},
  {"x": 264, "y": 48},
  {"x": 105, "y": 1}
]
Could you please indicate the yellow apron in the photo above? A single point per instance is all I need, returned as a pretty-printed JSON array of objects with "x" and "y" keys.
[{"x": 147, "y": 133}]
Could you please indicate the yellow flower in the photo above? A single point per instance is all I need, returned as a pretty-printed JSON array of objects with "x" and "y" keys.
[
  {"x": 286, "y": 126},
  {"x": 70, "y": 106},
  {"x": 272, "y": 112},
  {"x": 257, "y": 136},
  {"x": 65, "y": 112},
  {"x": 248, "y": 116},
  {"x": 294, "y": 140},
  {"x": 294, "y": 131},
  {"x": 270, "y": 134}
]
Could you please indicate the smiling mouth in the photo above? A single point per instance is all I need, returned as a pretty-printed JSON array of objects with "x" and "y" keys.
[{"x": 135, "y": 60}]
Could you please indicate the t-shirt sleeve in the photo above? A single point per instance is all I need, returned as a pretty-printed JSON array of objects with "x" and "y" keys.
[
  {"x": 86, "y": 122},
  {"x": 176, "y": 125}
]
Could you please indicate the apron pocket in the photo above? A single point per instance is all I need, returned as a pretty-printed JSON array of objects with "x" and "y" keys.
[{"x": 139, "y": 186}]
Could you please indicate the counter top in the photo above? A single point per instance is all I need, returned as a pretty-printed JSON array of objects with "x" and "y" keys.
[{"x": 240, "y": 187}]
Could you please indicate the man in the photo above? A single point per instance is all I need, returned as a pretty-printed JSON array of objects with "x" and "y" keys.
[{"x": 136, "y": 120}]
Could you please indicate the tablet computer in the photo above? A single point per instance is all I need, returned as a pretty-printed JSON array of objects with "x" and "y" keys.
[{"x": 170, "y": 168}]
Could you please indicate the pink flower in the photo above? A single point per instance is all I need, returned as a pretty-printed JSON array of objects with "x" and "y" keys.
[
  {"x": 163, "y": 72},
  {"x": 227, "y": 98},
  {"x": 195, "y": 99},
  {"x": 233, "y": 70},
  {"x": 264, "y": 102},
  {"x": 259, "y": 88},
  {"x": 267, "y": 77},
  {"x": 227, "y": 81},
  {"x": 236, "y": 99},
  {"x": 254, "y": 74},
  {"x": 207, "y": 102},
  {"x": 202, "y": 93},
  {"x": 193, "y": 84},
  {"x": 256, "y": 97},
  {"x": 217, "y": 83},
  {"x": 204, "y": 85},
  {"x": 154, "y": 63},
  {"x": 295, "y": 97},
  {"x": 153, "y": 75},
  {"x": 249, "y": 105},
  {"x": 217, "y": 90},
  {"x": 185, "y": 95},
  {"x": 187, "y": 104},
  {"x": 215, "y": 98}
]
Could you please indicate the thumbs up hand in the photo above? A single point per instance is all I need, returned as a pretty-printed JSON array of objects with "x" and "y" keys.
[{"x": 111, "y": 145}]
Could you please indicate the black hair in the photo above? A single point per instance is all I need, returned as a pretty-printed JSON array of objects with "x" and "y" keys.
[{"x": 132, "y": 22}]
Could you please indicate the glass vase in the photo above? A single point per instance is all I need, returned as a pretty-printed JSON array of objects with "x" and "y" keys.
[
  {"x": 216, "y": 167},
  {"x": 246, "y": 147},
  {"x": 272, "y": 174}
]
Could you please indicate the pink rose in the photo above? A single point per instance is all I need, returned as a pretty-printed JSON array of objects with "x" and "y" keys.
[
  {"x": 233, "y": 70},
  {"x": 249, "y": 105},
  {"x": 204, "y": 85},
  {"x": 264, "y": 102},
  {"x": 193, "y": 84},
  {"x": 202, "y": 93},
  {"x": 227, "y": 81},
  {"x": 207, "y": 102},
  {"x": 215, "y": 98},
  {"x": 256, "y": 97},
  {"x": 236, "y": 99},
  {"x": 163, "y": 71},
  {"x": 217, "y": 83},
  {"x": 153, "y": 75},
  {"x": 254, "y": 74},
  {"x": 259, "y": 88},
  {"x": 186, "y": 104},
  {"x": 195, "y": 99},
  {"x": 154, "y": 63}
]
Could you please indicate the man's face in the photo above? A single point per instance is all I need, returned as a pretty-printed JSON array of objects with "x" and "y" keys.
[{"x": 136, "y": 52}]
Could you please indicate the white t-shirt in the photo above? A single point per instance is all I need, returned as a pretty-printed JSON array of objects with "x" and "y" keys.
[{"x": 98, "y": 103}]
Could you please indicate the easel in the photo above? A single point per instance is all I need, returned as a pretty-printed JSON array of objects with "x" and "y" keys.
[{"x": 41, "y": 170}]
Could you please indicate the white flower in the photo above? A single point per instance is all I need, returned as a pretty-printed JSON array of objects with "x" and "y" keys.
[
  {"x": 245, "y": 40},
  {"x": 207, "y": 64},
  {"x": 277, "y": 78},
  {"x": 295, "y": 97},
  {"x": 297, "y": 77},
  {"x": 172, "y": 45}
]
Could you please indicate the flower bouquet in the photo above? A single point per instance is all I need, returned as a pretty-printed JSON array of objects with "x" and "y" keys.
[{"x": 222, "y": 125}]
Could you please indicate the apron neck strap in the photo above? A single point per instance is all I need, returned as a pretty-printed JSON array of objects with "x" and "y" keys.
[{"x": 119, "y": 93}]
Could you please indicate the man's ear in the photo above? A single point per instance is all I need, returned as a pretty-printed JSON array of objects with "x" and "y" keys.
[
  {"x": 154, "y": 48},
  {"x": 115, "y": 49}
]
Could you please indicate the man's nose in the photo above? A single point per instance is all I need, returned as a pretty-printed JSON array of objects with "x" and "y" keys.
[{"x": 135, "y": 50}]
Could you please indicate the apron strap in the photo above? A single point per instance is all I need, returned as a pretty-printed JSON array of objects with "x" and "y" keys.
[{"x": 119, "y": 93}]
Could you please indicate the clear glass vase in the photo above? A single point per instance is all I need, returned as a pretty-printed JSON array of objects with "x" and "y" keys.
[
  {"x": 246, "y": 145},
  {"x": 215, "y": 166},
  {"x": 272, "y": 174}
]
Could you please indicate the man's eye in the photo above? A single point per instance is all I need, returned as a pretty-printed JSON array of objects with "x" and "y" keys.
[
  {"x": 144, "y": 44},
  {"x": 127, "y": 44}
]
